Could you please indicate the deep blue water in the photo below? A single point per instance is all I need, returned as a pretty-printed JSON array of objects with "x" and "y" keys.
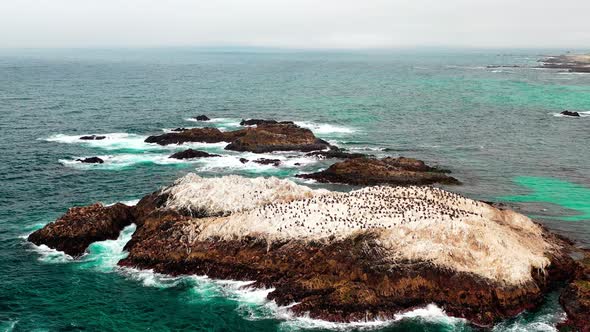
[{"x": 495, "y": 128}]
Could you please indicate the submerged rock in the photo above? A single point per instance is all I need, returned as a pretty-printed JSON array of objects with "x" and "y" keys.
[
  {"x": 73, "y": 232},
  {"x": 265, "y": 161},
  {"x": 93, "y": 138},
  {"x": 201, "y": 118},
  {"x": 570, "y": 113},
  {"x": 190, "y": 153},
  {"x": 91, "y": 160},
  {"x": 502, "y": 66},
  {"x": 338, "y": 154},
  {"x": 244, "y": 160},
  {"x": 369, "y": 171}
]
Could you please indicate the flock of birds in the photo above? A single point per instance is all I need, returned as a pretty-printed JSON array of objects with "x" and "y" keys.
[{"x": 366, "y": 209}]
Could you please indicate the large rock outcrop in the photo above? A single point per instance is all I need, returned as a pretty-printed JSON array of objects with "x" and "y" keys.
[
  {"x": 278, "y": 137},
  {"x": 370, "y": 171},
  {"x": 265, "y": 137},
  {"x": 73, "y": 232}
]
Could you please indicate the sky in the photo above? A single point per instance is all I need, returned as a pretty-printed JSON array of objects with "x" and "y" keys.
[{"x": 314, "y": 24}]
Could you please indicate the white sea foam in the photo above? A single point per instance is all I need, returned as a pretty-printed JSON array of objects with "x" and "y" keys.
[
  {"x": 325, "y": 128},
  {"x": 50, "y": 255},
  {"x": 253, "y": 303},
  {"x": 120, "y": 161},
  {"x": 131, "y": 202},
  {"x": 431, "y": 313},
  {"x": 104, "y": 255},
  {"x": 113, "y": 141},
  {"x": 221, "y": 123},
  {"x": 129, "y": 142}
]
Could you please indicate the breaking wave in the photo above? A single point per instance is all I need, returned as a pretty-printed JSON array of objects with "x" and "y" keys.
[
  {"x": 325, "y": 128},
  {"x": 129, "y": 142}
]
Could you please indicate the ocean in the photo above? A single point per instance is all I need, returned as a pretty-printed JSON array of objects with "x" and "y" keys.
[{"x": 497, "y": 129}]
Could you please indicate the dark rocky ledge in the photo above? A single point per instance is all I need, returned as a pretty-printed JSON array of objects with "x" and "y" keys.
[
  {"x": 190, "y": 154},
  {"x": 73, "y": 232},
  {"x": 91, "y": 160},
  {"x": 257, "y": 122},
  {"x": 92, "y": 138},
  {"x": 369, "y": 171}
]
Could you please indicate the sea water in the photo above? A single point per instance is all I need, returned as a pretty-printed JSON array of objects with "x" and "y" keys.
[{"x": 497, "y": 130}]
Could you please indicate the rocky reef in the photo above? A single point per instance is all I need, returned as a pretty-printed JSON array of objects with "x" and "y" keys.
[
  {"x": 371, "y": 171},
  {"x": 265, "y": 137},
  {"x": 341, "y": 256}
]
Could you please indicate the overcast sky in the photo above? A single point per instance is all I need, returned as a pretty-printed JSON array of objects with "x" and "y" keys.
[{"x": 295, "y": 24}]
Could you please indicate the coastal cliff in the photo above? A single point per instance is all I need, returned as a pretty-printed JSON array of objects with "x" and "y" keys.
[{"x": 349, "y": 256}]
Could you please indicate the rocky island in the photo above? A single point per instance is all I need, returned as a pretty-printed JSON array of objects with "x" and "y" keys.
[
  {"x": 579, "y": 63},
  {"x": 342, "y": 256}
]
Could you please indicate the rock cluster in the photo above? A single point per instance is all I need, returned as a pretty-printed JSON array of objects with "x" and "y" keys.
[{"x": 265, "y": 137}]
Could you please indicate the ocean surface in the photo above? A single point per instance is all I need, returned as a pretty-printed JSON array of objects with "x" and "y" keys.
[{"x": 497, "y": 129}]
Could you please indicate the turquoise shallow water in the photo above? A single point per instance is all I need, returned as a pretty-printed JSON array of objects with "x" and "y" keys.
[{"x": 496, "y": 129}]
